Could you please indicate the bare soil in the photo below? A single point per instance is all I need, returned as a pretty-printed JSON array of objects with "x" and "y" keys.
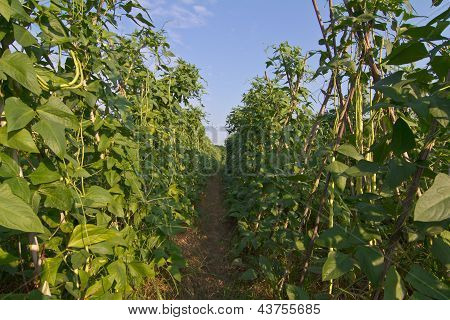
[{"x": 208, "y": 274}]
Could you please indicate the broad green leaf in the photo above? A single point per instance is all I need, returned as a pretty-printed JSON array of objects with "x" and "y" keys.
[
  {"x": 340, "y": 181},
  {"x": 427, "y": 283},
  {"x": 88, "y": 234},
  {"x": 97, "y": 197},
  {"x": 434, "y": 204},
  {"x": 99, "y": 288},
  {"x": 5, "y": 10},
  {"x": 407, "y": 53},
  {"x": 19, "y": 187},
  {"x": 54, "y": 110},
  {"x": 112, "y": 177},
  {"x": 362, "y": 168},
  {"x": 53, "y": 134},
  {"x": 20, "y": 140},
  {"x": 440, "y": 65},
  {"x": 9, "y": 167},
  {"x": 336, "y": 167},
  {"x": 371, "y": 261},
  {"x": 18, "y": 114},
  {"x": 23, "y": 36},
  {"x": 175, "y": 272},
  {"x": 19, "y": 67},
  {"x": 332, "y": 238},
  {"x": 350, "y": 151},
  {"x": 78, "y": 258},
  {"x": 398, "y": 173},
  {"x": 336, "y": 265},
  {"x": 394, "y": 289},
  {"x": 50, "y": 269},
  {"x": 44, "y": 173},
  {"x": 13, "y": 9},
  {"x": 84, "y": 278},
  {"x": 116, "y": 206},
  {"x": 402, "y": 137},
  {"x": 296, "y": 293},
  {"x": 102, "y": 248},
  {"x": 8, "y": 259},
  {"x": 118, "y": 271},
  {"x": 441, "y": 251},
  {"x": 16, "y": 214},
  {"x": 141, "y": 270},
  {"x": 58, "y": 196},
  {"x": 248, "y": 275}
]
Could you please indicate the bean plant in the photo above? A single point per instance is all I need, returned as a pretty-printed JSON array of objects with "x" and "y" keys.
[
  {"x": 351, "y": 201},
  {"x": 101, "y": 150}
]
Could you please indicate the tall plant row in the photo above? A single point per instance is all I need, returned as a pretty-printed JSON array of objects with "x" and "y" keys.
[
  {"x": 102, "y": 150},
  {"x": 351, "y": 201}
]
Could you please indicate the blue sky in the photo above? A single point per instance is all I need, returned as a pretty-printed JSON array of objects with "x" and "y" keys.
[{"x": 228, "y": 41}]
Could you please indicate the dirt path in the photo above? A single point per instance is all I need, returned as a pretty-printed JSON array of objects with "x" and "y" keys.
[{"x": 208, "y": 271}]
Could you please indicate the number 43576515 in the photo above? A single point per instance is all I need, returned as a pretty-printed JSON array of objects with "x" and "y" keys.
[{"x": 289, "y": 308}]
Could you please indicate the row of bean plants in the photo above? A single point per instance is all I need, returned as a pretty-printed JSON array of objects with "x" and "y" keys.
[
  {"x": 102, "y": 150},
  {"x": 351, "y": 201}
]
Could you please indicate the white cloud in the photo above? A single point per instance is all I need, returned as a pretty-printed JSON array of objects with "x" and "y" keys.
[
  {"x": 201, "y": 10},
  {"x": 179, "y": 14}
]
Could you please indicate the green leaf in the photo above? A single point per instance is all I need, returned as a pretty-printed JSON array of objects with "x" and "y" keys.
[
  {"x": 394, "y": 289},
  {"x": 407, "y": 53},
  {"x": 434, "y": 204},
  {"x": 332, "y": 238},
  {"x": 441, "y": 251},
  {"x": 19, "y": 187},
  {"x": 79, "y": 258},
  {"x": 50, "y": 269},
  {"x": 371, "y": 261},
  {"x": 118, "y": 271},
  {"x": 88, "y": 234},
  {"x": 248, "y": 275},
  {"x": 5, "y": 10},
  {"x": 14, "y": 10},
  {"x": 54, "y": 110},
  {"x": 16, "y": 214},
  {"x": 336, "y": 167},
  {"x": 19, "y": 67},
  {"x": 350, "y": 151},
  {"x": 341, "y": 182},
  {"x": 9, "y": 167},
  {"x": 45, "y": 173},
  {"x": 53, "y": 134},
  {"x": 139, "y": 270},
  {"x": 440, "y": 65},
  {"x": 20, "y": 140},
  {"x": 402, "y": 138},
  {"x": 97, "y": 197},
  {"x": 398, "y": 173},
  {"x": 336, "y": 265},
  {"x": 296, "y": 293},
  {"x": 57, "y": 196},
  {"x": 116, "y": 206},
  {"x": 23, "y": 36},
  {"x": 7, "y": 259},
  {"x": 18, "y": 114},
  {"x": 112, "y": 177},
  {"x": 100, "y": 287},
  {"x": 427, "y": 283},
  {"x": 363, "y": 168}
]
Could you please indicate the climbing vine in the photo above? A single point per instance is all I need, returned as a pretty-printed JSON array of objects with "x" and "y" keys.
[
  {"x": 101, "y": 150},
  {"x": 353, "y": 201}
]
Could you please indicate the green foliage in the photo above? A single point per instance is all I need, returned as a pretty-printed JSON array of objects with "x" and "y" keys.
[
  {"x": 347, "y": 201},
  {"x": 101, "y": 156}
]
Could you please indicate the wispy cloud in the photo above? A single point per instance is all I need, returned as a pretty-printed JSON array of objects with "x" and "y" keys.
[{"x": 180, "y": 14}]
